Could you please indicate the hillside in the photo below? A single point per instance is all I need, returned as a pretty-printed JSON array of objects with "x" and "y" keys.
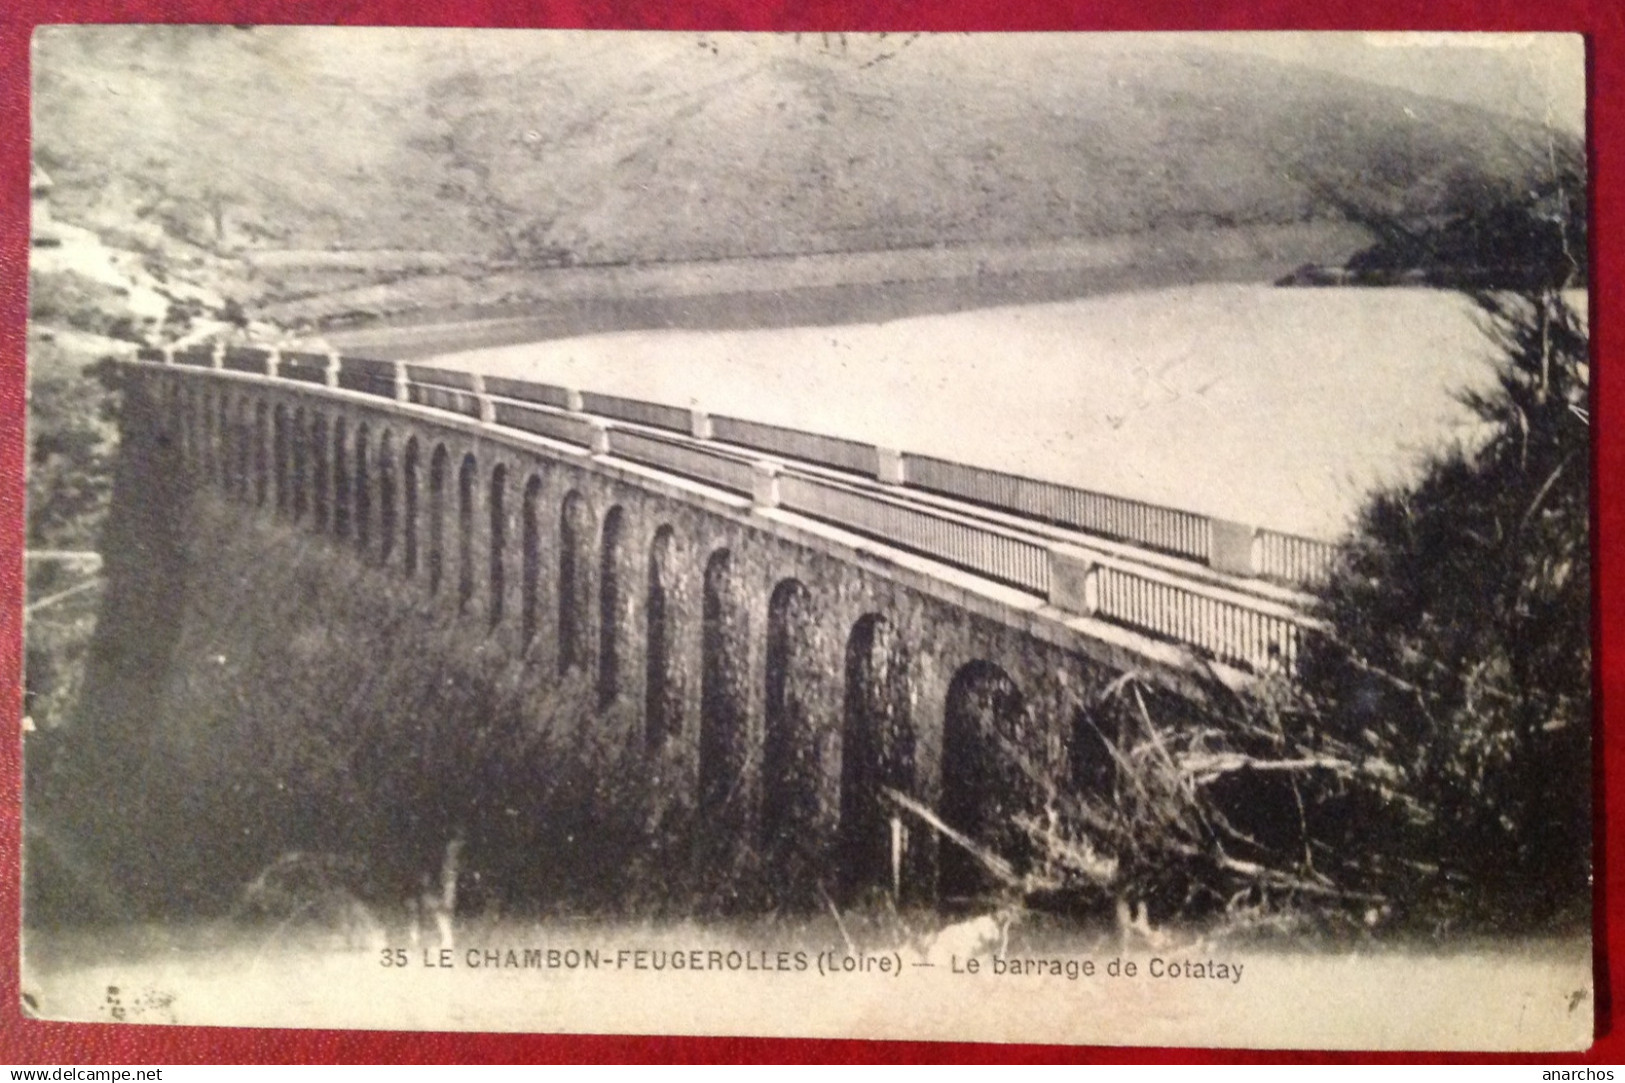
[{"x": 531, "y": 149}]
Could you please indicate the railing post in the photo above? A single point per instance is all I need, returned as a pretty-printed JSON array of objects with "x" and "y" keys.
[
  {"x": 273, "y": 363},
  {"x": 1074, "y": 580},
  {"x": 889, "y": 466},
  {"x": 764, "y": 489},
  {"x": 572, "y": 400},
  {"x": 403, "y": 385},
  {"x": 699, "y": 423},
  {"x": 169, "y": 355},
  {"x": 217, "y": 357},
  {"x": 600, "y": 438},
  {"x": 330, "y": 376},
  {"x": 488, "y": 410},
  {"x": 1231, "y": 547}
]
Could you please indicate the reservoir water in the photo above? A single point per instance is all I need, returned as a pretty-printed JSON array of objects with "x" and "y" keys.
[{"x": 1281, "y": 407}]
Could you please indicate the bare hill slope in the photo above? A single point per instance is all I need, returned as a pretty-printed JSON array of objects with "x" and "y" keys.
[{"x": 531, "y": 147}]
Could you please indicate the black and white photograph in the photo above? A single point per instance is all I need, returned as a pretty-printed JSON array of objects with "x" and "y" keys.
[{"x": 1073, "y": 538}]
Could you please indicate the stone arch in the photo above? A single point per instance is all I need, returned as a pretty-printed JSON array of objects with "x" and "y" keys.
[
  {"x": 439, "y": 466},
  {"x": 262, "y": 472},
  {"x": 200, "y": 434},
  {"x": 243, "y": 466},
  {"x": 792, "y": 754},
  {"x": 301, "y": 463},
  {"x": 320, "y": 476},
  {"x": 612, "y": 606},
  {"x": 168, "y": 392},
  {"x": 212, "y": 434},
  {"x": 226, "y": 456},
  {"x": 205, "y": 458},
  {"x": 279, "y": 456},
  {"x": 575, "y": 581},
  {"x": 202, "y": 404},
  {"x": 361, "y": 496},
  {"x": 468, "y": 473},
  {"x": 194, "y": 419},
  {"x": 220, "y": 426},
  {"x": 200, "y": 430},
  {"x": 386, "y": 496},
  {"x": 341, "y": 477},
  {"x": 530, "y": 567},
  {"x": 663, "y": 685},
  {"x": 1091, "y": 763},
  {"x": 724, "y": 692},
  {"x": 228, "y": 444},
  {"x": 175, "y": 413},
  {"x": 183, "y": 417},
  {"x": 985, "y": 739},
  {"x": 410, "y": 519},
  {"x": 497, "y": 506},
  {"x": 222, "y": 441},
  {"x": 878, "y": 749},
  {"x": 181, "y": 404}
]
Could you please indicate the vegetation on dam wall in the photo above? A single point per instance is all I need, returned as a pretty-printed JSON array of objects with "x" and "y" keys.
[{"x": 251, "y": 696}]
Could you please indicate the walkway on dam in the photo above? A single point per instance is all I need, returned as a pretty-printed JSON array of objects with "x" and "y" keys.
[{"x": 1235, "y": 593}]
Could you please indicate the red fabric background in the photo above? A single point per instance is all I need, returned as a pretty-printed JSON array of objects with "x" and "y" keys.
[{"x": 25, "y": 1041}]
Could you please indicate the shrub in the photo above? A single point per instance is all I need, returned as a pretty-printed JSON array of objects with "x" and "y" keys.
[
  {"x": 336, "y": 712},
  {"x": 1428, "y": 768},
  {"x": 73, "y": 442},
  {"x": 1460, "y": 642},
  {"x": 1236, "y": 813}
]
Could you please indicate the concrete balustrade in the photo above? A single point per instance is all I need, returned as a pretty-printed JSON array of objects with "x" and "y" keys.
[
  {"x": 1226, "y": 546},
  {"x": 889, "y": 466},
  {"x": 1074, "y": 581},
  {"x": 1231, "y": 547},
  {"x": 699, "y": 424},
  {"x": 765, "y": 491},
  {"x": 488, "y": 413},
  {"x": 1155, "y": 595}
]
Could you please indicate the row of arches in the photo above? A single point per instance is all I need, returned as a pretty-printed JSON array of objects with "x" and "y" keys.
[{"x": 810, "y": 787}]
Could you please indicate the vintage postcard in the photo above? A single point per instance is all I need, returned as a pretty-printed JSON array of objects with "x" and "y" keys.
[{"x": 1029, "y": 538}]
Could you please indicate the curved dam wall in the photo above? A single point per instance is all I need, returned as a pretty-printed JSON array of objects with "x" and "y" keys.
[{"x": 336, "y": 624}]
